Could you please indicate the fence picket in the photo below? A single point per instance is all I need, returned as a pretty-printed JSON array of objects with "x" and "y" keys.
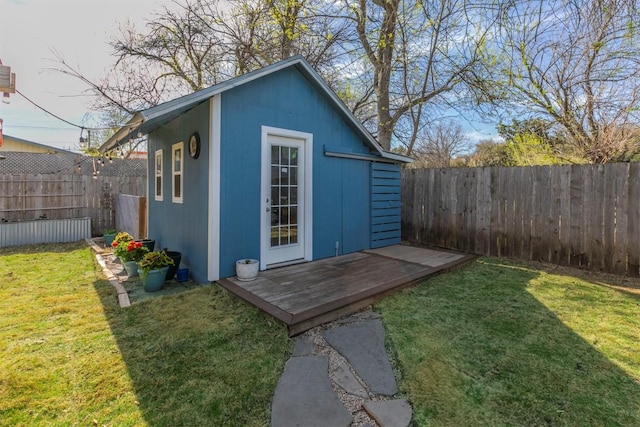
[
  {"x": 25, "y": 197},
  {"x": 586, "y": 216}
]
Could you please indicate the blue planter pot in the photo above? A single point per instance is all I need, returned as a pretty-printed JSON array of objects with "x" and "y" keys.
[
  {"x": 132, "y": 268},
  {"x": 182, "y": 275},
  {"x": 108, "y": 240},
  {"x": 154, "y": 279}
]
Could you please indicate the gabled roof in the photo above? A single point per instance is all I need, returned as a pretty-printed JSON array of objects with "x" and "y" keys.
[
  {"x": 147, "y": 121},
  {"x": 49, "y": 148}
]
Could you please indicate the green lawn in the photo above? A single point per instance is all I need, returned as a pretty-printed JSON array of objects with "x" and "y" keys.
[
  {"x": 70, "y": 356},
  {"x": 496, "y": 343},
  {"x": 504, "y": 344}
]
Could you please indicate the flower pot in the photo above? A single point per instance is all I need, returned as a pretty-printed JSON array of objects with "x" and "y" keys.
[
  {"x": 148, "y": 243},
  {"x": 132, "y": 268},
  {"x": 247, "y": 269},
  {"x": 182, "y": 275},
  {"x": 154, "y": 279},
  {"x": 176, "y": 257},
  {"x": 108, "y": 239}
]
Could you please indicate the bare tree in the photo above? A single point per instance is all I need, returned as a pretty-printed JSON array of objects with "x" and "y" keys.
[
  {"x": 440, "y": 145},
  {"x": 197, "y": 43},
  {"x": 577, "y": 63},
  {"x": 420, "y": 52},
  {"x": 177, "y": 49},
  {"x": 396, "y": 64}
]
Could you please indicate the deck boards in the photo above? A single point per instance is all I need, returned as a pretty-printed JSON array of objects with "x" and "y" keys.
[{"x": 306, "y": 295}]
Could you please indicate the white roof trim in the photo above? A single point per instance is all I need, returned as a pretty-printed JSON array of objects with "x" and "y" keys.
[{"x": 152, "y": 118}]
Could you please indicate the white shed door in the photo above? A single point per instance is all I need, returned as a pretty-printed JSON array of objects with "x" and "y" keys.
[{"x": 284, "y": 200}]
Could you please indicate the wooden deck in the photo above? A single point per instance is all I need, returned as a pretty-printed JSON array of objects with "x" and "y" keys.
[{"x": 306, "y": 295}]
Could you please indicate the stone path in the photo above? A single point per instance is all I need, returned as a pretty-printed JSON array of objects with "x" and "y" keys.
[{"x": 339, "y": 375}]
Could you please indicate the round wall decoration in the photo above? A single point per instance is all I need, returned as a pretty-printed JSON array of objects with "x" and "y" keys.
[{"x": 194, "y": 145}]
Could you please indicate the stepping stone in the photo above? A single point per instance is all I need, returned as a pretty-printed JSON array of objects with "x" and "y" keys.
[
  {"x": 390, "y": 413},
  {"x": 304, "y": 347},
  {"x": 349, "y": 383},
  {"x": 304, "y": 396},
  {"x": 359, "y": 317},
  {"x": 362, "y": 344}
]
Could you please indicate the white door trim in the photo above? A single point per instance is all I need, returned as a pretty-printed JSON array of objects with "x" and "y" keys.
[
  {"x": 265, "y": 190},
  {"x": 213, "y": 233}
]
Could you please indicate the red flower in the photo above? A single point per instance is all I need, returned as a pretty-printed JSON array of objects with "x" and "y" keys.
[{"x": 114, "y": 244}]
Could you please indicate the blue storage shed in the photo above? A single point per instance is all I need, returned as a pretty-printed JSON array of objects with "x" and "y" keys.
[{"x": 269, "y": 165}]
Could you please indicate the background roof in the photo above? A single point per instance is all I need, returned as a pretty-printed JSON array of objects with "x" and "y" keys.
[{"x": 65, "y": 164}]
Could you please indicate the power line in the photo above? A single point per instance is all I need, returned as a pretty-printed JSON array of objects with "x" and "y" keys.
[
  {"x": 47, "y": 127},
  {"x": 37, "y": 127},
  {"x": 49, "y": 112}
]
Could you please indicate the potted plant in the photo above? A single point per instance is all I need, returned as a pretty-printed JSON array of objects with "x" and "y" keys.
[
  {"x": 109, "y": 235},
  {"x": 121, "y": 237},
  {"x": 176, "y": 257},
  {"x": 130, "y": 253},
  {"x": 247, "y": 269},
  {"x": 153, "y": 269}
]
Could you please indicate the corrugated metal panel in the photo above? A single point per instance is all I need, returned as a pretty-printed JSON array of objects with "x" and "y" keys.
[
  {"x": 44, "y": 231},
  {"x": 385, "y": 204}
]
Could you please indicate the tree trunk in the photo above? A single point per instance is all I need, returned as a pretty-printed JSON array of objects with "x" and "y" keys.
[{"x": 382, "y": 67}]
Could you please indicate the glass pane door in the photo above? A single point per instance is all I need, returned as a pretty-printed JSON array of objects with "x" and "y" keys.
[{"x": 284, "y": 195}]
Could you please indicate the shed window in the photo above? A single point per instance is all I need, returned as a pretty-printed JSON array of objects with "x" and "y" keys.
[
  {"x": 177, "y": 155},
  {"x": 158, "y": 175}
]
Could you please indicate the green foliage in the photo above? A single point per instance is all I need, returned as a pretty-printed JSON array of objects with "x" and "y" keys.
[
  {"x": 530, "y": 150},
  {"x": 490, "y": 153},
  {"x": 154, "y": 261},
  {"x": 540, "y": 128},
  {"x": 121, "y": 237},
  {"x": 130, "y": 251}
]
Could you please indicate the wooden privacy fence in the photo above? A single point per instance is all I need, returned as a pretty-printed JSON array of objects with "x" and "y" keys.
[
  {"x": 25, "y": 197},
  {"x": 586, "y": 216}
]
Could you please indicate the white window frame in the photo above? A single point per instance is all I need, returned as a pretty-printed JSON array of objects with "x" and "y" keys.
[
  {"x": 158, "y": 169},
  {"x": 174, "y": 148}
]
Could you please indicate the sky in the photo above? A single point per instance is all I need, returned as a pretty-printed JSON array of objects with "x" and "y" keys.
[{"x": 79, "y": 31}]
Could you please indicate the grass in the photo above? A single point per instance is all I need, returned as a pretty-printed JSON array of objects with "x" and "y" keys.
[
  {"x": 496, "y": 343},
  {"x": 501, "y": 343},
  {"x": 70, "y": 356}
]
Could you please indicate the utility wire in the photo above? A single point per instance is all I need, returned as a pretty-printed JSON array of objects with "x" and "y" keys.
[{"x": 49, "y": 112}]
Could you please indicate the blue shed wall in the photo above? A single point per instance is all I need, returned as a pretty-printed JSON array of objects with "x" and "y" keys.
[
  {"x": 182, "y": 227},
  {"x": 341, "y": 187},
  {"x": 385, "y": 204}
]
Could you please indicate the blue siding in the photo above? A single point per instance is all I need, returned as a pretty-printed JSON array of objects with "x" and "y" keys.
[
  {"x": 182, "y": 227},
  {"x": 355, "y": 184},
  {"x": 355, "y": 202},
  {"x": 341, "y": 196},
  {"x": 385, "y": 204}
]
